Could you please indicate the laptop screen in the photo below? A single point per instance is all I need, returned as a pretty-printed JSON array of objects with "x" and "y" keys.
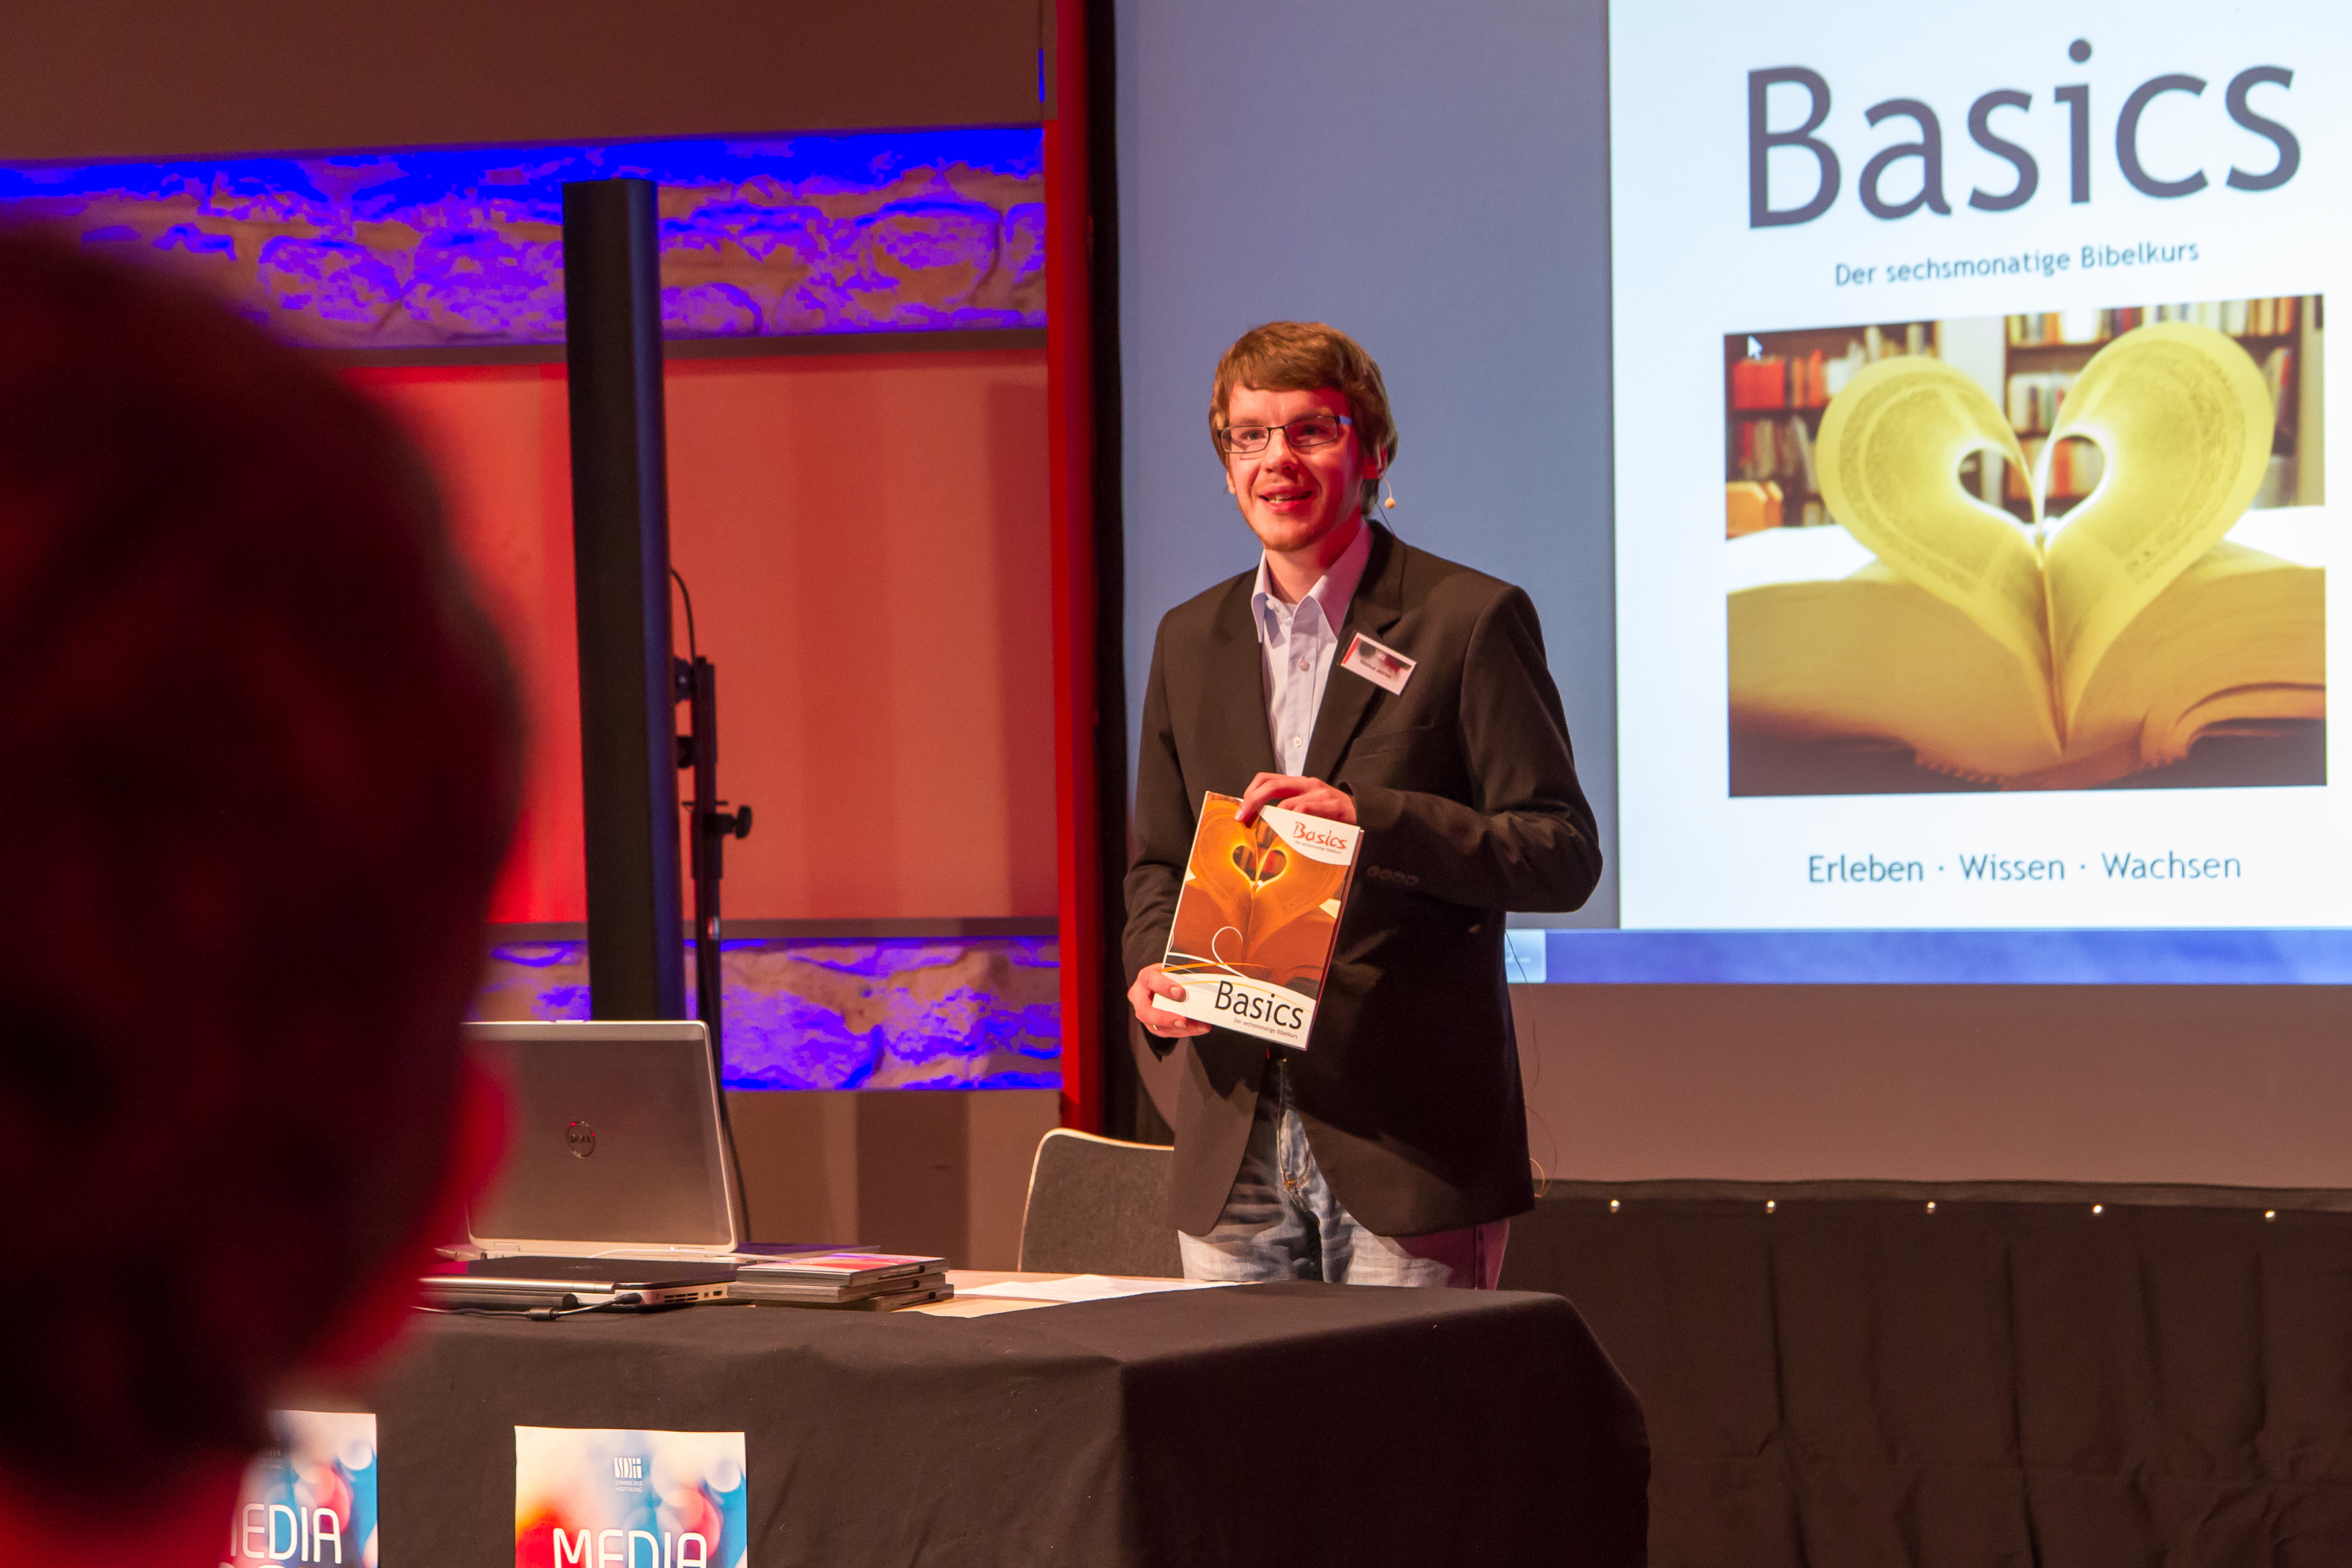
[{"x": 616, "y": 1140}]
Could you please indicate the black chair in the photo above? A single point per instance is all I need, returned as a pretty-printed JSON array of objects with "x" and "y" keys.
[{"x": 1097, "y": 1206}]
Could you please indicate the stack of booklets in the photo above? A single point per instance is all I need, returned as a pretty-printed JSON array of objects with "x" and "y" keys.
[{"x": 864, "y": 1281}]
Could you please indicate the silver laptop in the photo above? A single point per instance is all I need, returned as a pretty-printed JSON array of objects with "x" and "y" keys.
[{"x": 618, "y": 1148}]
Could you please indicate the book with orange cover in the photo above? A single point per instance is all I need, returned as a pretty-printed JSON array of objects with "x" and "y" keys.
[{"x": 1256, "y": 918}]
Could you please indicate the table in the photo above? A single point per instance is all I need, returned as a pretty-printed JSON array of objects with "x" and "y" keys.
[{"x": 1293, "y": 1423}]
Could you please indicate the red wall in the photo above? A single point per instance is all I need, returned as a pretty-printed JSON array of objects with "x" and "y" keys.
[{"x": 866, "y": 538}]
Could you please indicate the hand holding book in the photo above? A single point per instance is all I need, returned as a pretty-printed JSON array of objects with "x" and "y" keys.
[
  {"x": 1307, "y": 796},
  {"x": 1151, "y": 987}
]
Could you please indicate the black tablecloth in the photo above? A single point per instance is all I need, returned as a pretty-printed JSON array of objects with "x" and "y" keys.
[
  {"x": 1849, "y": 1380},
  {"x": 1286, "y": 1424}
]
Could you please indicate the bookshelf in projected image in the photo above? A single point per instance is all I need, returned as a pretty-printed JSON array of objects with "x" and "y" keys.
[
  {"x": 1777, "y": 384},
  {"x": 2053, "y": 551}
]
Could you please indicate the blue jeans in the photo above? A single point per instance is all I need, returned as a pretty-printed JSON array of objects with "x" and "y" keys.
[{"x": 1282, "y": 1222}]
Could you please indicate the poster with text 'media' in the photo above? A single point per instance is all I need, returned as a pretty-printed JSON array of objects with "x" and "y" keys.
[
  {"x": 1973, "y": 531},
  {"x": 607, "y": 1498},
  {"x": 311, "y": 1497}
]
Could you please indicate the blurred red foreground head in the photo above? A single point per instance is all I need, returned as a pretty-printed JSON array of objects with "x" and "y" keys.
[{"x": 258, "y": 768}]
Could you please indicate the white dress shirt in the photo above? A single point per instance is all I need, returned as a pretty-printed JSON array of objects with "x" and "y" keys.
[{"x": 1297, "y": 642}]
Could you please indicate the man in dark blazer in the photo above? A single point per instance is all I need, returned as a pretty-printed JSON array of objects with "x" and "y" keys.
[{"x": 1356, "y": 678}]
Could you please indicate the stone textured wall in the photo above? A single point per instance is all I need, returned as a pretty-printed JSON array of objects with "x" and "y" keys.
[
  {"x": 908, "y": 231},
  {"x": 980, "y": 1012}
]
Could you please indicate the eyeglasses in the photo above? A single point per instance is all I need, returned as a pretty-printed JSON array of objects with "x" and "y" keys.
[{"x": 1303, "y": 434}]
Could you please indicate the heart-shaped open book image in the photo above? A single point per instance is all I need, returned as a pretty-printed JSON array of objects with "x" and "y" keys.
[
  {"x": 2055, "y": 650},
  {"x": 1256, "y": 918}
]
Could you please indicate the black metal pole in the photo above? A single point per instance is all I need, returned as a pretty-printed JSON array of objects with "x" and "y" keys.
[
  {"x": 708, "y": 828},
  {"x": 620, "y": 537},
  {"x": 706, "y": 834},
  {"x": 708, "y": 831}
]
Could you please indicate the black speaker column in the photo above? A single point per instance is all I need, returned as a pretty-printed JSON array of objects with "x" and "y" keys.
[{"x": 620, "y": 541}]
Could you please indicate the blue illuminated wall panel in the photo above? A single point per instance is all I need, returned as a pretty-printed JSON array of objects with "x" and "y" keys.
[
  {"x": 910, "y": 1012},
  {"x": 900, "y": 231},
  {"x": 2240, "y": 957}
]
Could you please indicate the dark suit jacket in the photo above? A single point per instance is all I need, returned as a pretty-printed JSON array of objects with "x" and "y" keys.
[{"x": 1468, "y": 795}]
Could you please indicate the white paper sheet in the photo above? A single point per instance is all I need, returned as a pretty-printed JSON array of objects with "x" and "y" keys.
[{"x": 1084, "y": 1287}]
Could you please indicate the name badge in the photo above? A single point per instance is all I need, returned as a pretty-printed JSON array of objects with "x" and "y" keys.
[{"x": 1384, "y": 667}]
